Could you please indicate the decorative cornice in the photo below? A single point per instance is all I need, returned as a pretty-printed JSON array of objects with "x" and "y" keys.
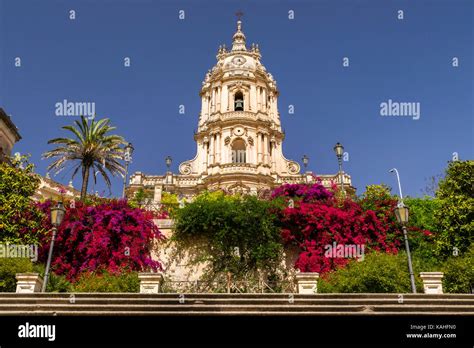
[{"x": 11, "y": 126}]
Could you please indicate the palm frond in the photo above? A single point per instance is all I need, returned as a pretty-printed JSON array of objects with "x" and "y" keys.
[{"x": 92, "y": 147}]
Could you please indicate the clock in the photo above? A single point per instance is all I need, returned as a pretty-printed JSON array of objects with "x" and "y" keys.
[
  {"x": 239, "y": 131},
  {"x": 238, "y": 60}
]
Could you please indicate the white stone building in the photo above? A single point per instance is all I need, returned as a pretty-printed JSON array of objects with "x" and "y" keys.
[
  {"x": 239, "y": 137},
  {"x": 8, "y": 135}
]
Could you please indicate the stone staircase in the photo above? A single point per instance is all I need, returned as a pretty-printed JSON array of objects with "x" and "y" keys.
[{"x": 131, "y": 304}]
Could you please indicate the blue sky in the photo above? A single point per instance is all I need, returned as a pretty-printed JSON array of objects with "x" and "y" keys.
[{"x": 407, "y": 60}]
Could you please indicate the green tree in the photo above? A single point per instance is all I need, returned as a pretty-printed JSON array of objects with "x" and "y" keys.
[
  {"x": 239, "y": 234},
  {"x": 459, "y": 273},
  {"x": 9, "y": 267},
  {"x": 423, "y": 230},
  {"x": 18, "y": 214},
  {"x": 377, "y": 273},
  {"x": 90, "y": 148},
  {"x": 376, "y": 197},
  {"x": 141, "y": 198},
  {"x": 421, "y": 212},
  {"x": 455, "y": 213}
]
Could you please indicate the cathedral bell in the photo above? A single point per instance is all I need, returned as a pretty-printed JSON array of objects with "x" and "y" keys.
[{"x": 239, "y": 105}]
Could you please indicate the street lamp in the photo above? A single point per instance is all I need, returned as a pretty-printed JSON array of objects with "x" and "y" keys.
[
  {"x": 57, "y": 215},
  {"x": 169, "y": 175},
  {"x": 168, "y": 161},
  {"x": 401, "y": 212},
  {"x": 339, "y": 150},
  {"x": 305, "y": 160},
  {"x": 127, "y": 157}
]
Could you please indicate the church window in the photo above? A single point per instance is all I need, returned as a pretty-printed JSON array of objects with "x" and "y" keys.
[
  {"x": 238, "y": 151},
  {"x": 239, "y": 101}
]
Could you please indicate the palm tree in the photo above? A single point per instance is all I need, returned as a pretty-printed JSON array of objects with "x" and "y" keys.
[{"x": 90, "y": 148}]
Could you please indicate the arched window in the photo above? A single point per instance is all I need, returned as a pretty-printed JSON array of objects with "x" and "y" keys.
[
  {"x": 239, "y": 101},
  {"x": 238, "y": 151}
]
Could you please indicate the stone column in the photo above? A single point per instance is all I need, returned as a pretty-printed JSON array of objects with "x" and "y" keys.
[
  {"x": 257, "y": 147},
  {"x": 272, "y": 155},
  {"x": 432, "y": 282},
  {"x": 204, "y": 154},
  {"x": 150, "y": 282},
  {"x": 265, "y": 149},
  {"x": 157, "y": 194},
  {"x": 218, "y": 148},
  {"x": 264, "y": 102},
  {"x": 273, "y": 106},
  {"x": 307, "y": 282},
  {"x": 230, "y": 100},
  {"x": 247, "y": 101},
  {"x": 253, "y": 98},
  {"x": 218, "y": 100},
  {"x": 213, "y": 99},
  {"x": 203, "y": 106},
  {"x": 211, "y": 149},
  {"x": 203, "y": 110},
  {"x": 224, "y": 99},
  {"x": 169, "y": 178},
  {"x": 28, "y": 283}
]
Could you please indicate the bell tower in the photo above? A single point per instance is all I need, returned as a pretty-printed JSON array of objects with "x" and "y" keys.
[{"x": 239, "y": 137}]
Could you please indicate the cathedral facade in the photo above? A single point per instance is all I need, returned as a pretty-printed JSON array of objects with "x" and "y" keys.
[{"x": 239, "y": 136}]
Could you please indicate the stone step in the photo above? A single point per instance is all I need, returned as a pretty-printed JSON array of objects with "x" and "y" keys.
[
  {"x": 224, "y": 301},
  {"x": 233, "y": 308},
  {"x": 227, "y": 304},
  {"x": 233, "y": 313},
  {"x": 237, "y": 296}
]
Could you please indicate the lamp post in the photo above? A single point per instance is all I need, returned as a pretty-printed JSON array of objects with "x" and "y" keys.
[
  {"x": 94, "y": 182},
  {"x": 127, "y": 158},
  {"x": 401, "y": 212},
  {"x": 339, "y": 150},
  {"x": 57, "y": 215},
  {"x": 168, "y": 161},
  {"x": 305, "y": 160},
  {"x": 394, "y": 170}
]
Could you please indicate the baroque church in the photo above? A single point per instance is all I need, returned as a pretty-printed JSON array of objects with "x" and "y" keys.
[{"x": 239, "y": 138}]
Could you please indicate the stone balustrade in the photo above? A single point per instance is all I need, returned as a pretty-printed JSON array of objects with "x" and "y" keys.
[
  {"x": 432, "y": 282},
  {"x": 307, "y": 282},
  {"x": 28, "y": 283},
  {"x": 239, "y": 167},
  {"x": 150, "y": 282}
]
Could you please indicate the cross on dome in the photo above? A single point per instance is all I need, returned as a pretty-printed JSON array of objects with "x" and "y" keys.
[
  {"x": 238, "y": 40},
  {"x": 239, "y": 15}
]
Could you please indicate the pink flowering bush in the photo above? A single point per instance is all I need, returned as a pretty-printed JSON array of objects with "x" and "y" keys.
[
  {"x": 316, "y": 219},
  {"x": 307, "y": 193},
  {"x": 109, "y": 236}
]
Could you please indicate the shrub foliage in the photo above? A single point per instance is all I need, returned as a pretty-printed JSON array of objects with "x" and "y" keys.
[{"x": 239, "y": 233}]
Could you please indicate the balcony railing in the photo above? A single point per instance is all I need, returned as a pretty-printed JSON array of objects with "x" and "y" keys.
[
  {"x": 239, "y": 167},
  {"x": 232, "y": 286},
  {"x": 238, "y": 115}
]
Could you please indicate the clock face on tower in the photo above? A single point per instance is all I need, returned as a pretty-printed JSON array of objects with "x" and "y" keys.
[
  {"x": 238, "y": 60},
  {"x": 239, "y": 131}
]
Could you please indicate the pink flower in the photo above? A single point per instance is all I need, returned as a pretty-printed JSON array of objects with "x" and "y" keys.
[{"x": 110, "y": 235}]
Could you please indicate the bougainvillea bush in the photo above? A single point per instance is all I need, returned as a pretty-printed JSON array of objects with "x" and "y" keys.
[
  {"x": 109, "y": 236},
  {"x": 314, "y": 217}
]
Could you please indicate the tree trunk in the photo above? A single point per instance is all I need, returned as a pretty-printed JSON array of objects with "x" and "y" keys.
[{"x": 85, "y": 182}]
